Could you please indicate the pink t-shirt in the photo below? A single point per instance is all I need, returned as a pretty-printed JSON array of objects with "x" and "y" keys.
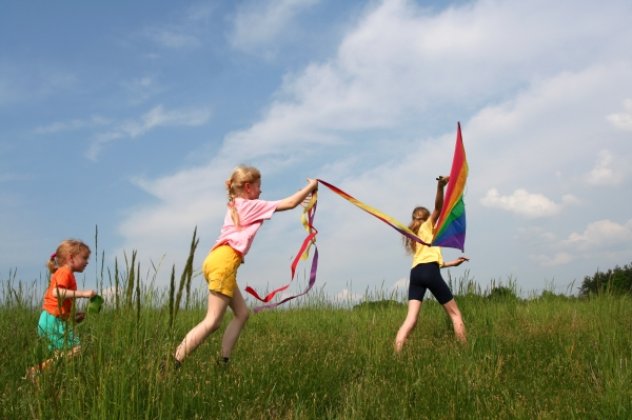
[{"x": 252, "y": 213}]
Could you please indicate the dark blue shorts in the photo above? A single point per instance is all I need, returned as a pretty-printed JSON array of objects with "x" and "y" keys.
[{"x": 428, "y": 277}]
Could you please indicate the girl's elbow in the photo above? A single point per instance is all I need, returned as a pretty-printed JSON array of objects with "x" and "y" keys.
[
  {"x": 291, "y": 204},
  {"x": 285, "y": 205}
]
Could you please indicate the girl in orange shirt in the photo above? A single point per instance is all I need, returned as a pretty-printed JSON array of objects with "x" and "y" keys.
[{"x": 71, "y": 257}]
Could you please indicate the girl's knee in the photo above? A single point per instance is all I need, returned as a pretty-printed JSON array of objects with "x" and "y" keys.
[
  {"x": 211, "y": 325},
  {"x": 452, "y": 309},
  {"x": 243, "y": 316}
]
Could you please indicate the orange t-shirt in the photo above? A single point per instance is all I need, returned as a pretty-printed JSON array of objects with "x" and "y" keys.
[{"x": 64, "y": 279}]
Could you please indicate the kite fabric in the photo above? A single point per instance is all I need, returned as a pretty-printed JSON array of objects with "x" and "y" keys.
[{"x": 450, "y": 227}]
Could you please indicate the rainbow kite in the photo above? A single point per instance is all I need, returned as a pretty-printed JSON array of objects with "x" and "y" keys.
[{"x": 450, "y": 228}]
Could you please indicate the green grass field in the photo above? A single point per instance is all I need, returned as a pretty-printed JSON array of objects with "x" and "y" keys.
[{"x": 543, "y": 358}]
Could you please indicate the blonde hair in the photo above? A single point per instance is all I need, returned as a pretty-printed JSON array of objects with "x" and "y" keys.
[
  {"x": 419, "y": 215},
  {"x": 67, "y": 249},
  {"x": 241, "y": 175}
]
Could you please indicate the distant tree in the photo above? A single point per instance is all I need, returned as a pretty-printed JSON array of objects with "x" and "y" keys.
[{"x": 617, "y": 280}]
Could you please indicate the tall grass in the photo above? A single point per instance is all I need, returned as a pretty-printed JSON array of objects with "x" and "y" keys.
[
  {"x": 540, "y": 359},
  {"x": 550, "y": 357}
]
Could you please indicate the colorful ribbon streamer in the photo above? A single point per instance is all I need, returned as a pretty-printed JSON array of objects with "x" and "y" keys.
[
  {"x": 395, "y": 224},
  {"x": 450, "y": 227},
  {"x": 303, "y": 253}
]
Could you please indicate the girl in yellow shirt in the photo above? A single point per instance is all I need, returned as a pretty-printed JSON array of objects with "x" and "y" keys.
[{"x": 425, "y": 273}]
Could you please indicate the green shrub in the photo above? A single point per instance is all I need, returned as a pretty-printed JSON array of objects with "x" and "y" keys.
[{"x": 614, "y": 281}]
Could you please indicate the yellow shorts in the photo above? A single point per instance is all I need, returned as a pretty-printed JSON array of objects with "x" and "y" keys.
[{"x": 220, "y": 270}]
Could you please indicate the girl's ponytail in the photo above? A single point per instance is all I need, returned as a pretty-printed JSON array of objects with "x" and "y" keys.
[
  {"x": 52, "y": 263},
  {"x": 231, "y": 202},
  {"x": 420, "y": 215}
]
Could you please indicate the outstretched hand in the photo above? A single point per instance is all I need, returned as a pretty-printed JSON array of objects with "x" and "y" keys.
[
  {"x": 312, "y": 183},
  {"x": 455, "y": 263},
  {"x": 460, "y": 261}
]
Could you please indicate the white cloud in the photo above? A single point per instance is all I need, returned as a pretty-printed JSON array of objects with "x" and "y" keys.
[
  {"x": 142, "y": 88},
  {"x": 155, "y": 117},
  {"x": 522, "y": 202},
  {"x": 558, "y": 259},
  {"x": 159, "y": 117},
  {"x": 604, "y": 173},
  {"x": 172, "y": 38},
  {"x": 183, "y": 32},
  {"x": 259, "y": 24},
  {"x": 536, "y": 233},
  {"x": 623, "y": 120},
  {"x": 600, "y": 241},
  {"x": 602, "y": 233},
  {"x": 73, "y": 125}
]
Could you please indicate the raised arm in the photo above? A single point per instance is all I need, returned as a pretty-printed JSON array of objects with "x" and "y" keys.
[
  {"x": 442, "y": 181},
  {"x": 297, "y": 198}
]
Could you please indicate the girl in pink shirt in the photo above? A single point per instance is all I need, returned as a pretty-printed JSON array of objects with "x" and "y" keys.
[{"x": 244, "y": 216}]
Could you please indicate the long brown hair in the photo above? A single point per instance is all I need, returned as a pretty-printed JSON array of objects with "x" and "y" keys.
[
  {"x": 66, "y": 249},
  {"x": 241, "y": 175},
  {"x": 419, "y": 215}
]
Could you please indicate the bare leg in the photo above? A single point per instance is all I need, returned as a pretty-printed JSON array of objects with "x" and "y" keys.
[
  {"x": 414, "y": 306},
  {"x": 40, "y": 367},
  {"x": 241, "y": 314},
  {"x": 217, "y": 304},
  {"x": 453, "y": 312}
]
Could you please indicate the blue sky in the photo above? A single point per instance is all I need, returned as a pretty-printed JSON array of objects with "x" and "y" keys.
[{"x": 130, "y": 115}]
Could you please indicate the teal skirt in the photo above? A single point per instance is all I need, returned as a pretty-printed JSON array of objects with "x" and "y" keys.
[{"x": 56, "y": 332}]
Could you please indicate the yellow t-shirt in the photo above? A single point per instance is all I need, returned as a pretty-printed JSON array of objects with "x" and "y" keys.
[{"x": 423, "y": 253}]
